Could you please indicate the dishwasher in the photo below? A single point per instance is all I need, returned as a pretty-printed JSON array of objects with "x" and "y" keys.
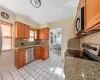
[{"x": 29, "y": 55}]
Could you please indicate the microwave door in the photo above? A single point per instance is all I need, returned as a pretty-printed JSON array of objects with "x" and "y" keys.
[
  {"x": 0, "y": 40},
  {"x": 77, "y": 27}
]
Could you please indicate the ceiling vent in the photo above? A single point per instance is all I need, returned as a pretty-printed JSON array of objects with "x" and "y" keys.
[{"x": 36, "y": 3}]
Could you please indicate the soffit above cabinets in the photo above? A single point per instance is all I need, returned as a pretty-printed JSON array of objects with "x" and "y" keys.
[{"x": 50, "y": 10}]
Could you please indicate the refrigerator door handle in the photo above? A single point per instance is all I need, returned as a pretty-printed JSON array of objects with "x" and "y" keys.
[{"x": 0, "y": 40}]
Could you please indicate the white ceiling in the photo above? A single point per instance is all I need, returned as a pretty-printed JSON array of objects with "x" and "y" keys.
[{"x": 50, "y": 10}]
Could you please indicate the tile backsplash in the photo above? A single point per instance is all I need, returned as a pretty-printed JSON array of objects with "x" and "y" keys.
[
  {"x": 25, "y": 42},
  {"x": 44, "y": 42},
  {"x": 73, "y": 43},
  {"x": 92, "y": 38}
]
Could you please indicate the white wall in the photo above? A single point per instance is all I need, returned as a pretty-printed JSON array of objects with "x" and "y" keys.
[
  {"x": 67, "y": 31},
  {"x": 26, "y": 20},
  {"x": 7, "y": 57},
  {"x": 44, "y": 25}
]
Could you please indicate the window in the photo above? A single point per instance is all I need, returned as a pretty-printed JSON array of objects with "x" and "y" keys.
[
  {"x": 31, "y": 36},
  {"x": 6, "y": 37}
]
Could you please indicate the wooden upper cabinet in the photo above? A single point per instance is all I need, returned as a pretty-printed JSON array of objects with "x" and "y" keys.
[
  {"x": 36, "y": 33},
  {"x": 27, "y": 29},
  {"x": 19, "y": 30},
  {"x": 81, "y": 4},
  {"x": 41, "y": 34},
  {"x": 22, "y": 30},
  {"x": 92, "y": 14},
  {"x": 44, "y": 33}
]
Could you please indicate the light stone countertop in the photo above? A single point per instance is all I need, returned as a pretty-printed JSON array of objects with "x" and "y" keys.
[
  {"x": 28, "y": 46},
  {"x": 81, "y": 69}
]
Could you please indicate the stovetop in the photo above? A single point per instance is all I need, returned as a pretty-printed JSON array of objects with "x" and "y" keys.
[{"x": 88, "y": 52}]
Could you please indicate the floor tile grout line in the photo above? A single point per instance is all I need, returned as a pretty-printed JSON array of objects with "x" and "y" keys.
[
  {"x": 20, "y": 74},
  {"x": 45, "y": 71},
  {"x": 29, "y": 73},
  {"x": 39, "y": 73},
  {"x": 37, "y": 65},
  {"x": 1, "y": 76},
  {"x": 10, "y": 74}
]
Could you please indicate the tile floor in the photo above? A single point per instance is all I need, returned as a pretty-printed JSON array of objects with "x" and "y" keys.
[{"x": 51, "y": 69}]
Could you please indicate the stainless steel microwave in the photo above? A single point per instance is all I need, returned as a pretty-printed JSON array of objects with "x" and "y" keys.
[{"x": 79, "y": 24}]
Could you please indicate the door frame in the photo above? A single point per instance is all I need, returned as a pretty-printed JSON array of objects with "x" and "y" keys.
[{"x": 61, "y": 39}]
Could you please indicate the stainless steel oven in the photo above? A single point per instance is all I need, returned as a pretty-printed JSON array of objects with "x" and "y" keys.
[{"x": 91, "y": 52}]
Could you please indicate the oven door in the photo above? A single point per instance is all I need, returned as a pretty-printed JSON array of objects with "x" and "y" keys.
[{"x": 89, "y": 56}]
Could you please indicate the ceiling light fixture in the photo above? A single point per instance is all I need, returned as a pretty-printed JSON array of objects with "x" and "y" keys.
[{"x": 36, "y": 3}]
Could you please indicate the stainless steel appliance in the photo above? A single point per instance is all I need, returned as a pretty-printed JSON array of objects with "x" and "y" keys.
[
  {"x": 91, "y": 52},
  {"x": 79, "y": 25},
  {"x": 29, "y": 54}
]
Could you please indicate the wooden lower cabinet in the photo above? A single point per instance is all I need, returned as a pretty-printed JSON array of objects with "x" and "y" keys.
[
  {"x": 37, "y": 52},
  {"x": 41, "y": 52},
  {"x": 44, "y": 52},
  {"x": 20, "y": 57},
  {"x": 20, "y": 30}
]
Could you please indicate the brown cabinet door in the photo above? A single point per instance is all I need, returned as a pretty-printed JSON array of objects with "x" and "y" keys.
[
  {"x": 41, "y": 34},
  {"x": 44, "y": 33},
  {"x": 91, "y": 13},
  {"x": 44, "y": 52},
  {"x": 27, "y": 29},
  {"x": 21, "y": 59},
  {"x": 36, "y": 33},
  {"x": 37, "y": 53},
  {"x": 20, "y": 30}
]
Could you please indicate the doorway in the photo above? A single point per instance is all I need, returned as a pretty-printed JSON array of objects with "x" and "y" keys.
[{"x": 55, "y": 41}]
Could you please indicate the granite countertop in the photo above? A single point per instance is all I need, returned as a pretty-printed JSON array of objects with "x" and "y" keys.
[
  {"x": 80, "y": 69},
  {"x": 29, "y": 46}
]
